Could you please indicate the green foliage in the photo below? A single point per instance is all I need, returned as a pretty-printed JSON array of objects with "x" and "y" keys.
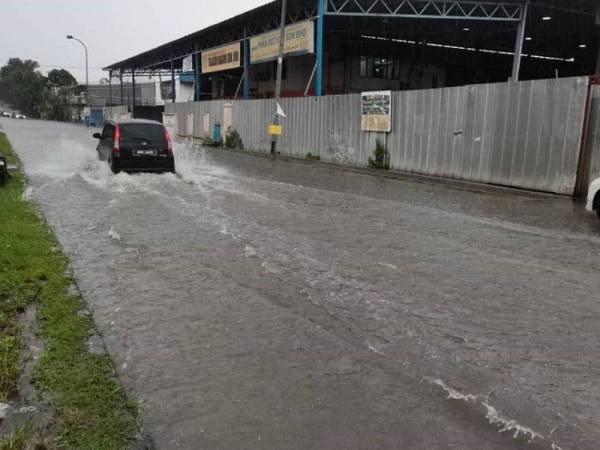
[
  {"x": 57, "y": 104},
  {"x": 233, "y": 139},
  {"x": 17, "y": 440},
  {"x": 381, "y": 157},
  {"x": 61, "y": 78},
  {"x": 28, "y": 91},
  {"x": 90, "y": 408},
  {"x": 22, "y": 86},
  {"x": 312, "y": 157},
  {"x": 57, "y": 101},
  {"x": 133, "y": 407}
]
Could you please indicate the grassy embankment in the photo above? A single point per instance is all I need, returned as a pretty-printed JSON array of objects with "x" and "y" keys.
[{"x": 90, "y": 410}]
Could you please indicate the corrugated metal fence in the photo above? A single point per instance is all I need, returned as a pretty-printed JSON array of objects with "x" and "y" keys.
[{"x": 525, "y": 135}]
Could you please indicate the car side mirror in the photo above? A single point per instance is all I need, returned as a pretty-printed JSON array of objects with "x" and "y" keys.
[{"x": 97, "y": 136}]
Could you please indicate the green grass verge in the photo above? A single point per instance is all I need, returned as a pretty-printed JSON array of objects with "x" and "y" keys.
[{"x": 90, "y": 409}]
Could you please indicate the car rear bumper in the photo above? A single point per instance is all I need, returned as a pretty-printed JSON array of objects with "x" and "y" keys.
[{"x": 146, "y": 165}]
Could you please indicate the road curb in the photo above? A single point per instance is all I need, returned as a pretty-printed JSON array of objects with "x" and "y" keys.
[{"x": 463, "y": 185}]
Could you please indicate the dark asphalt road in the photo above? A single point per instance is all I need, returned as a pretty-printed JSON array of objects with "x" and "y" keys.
[{"x": 253, "y": 304}]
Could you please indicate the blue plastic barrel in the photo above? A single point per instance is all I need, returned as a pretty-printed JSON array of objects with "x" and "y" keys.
[{"x": 216, "y": 132}]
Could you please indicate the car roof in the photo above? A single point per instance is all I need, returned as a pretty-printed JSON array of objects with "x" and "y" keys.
[{"x": 134, "y": 121}]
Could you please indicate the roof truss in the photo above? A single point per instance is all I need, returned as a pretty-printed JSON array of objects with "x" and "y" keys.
[{"x": 429, "y": 9}]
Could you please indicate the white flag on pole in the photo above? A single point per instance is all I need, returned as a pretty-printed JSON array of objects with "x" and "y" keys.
[{"x": 280, "y": 111}]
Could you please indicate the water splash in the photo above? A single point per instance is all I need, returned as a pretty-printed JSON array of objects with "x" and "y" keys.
[
  {"x": 114, "y": 235},
  {"x": 72, "y": 158},
  {"x": 505, "y": 424},
  {"x": 494, "y": 417}
]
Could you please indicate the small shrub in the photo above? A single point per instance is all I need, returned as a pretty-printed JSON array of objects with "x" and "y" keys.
[
  {"x": 233, "y": 139},
  {"x": 312, "y": 157},
  {"x": 381, "y": 157}
]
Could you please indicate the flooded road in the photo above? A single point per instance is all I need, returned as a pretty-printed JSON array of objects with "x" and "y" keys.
[{"x": 258, "y": 304}]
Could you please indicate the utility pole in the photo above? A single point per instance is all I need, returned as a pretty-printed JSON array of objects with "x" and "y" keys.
[
  {"x": 276, "y": 118},
  {"x": 110, "y": 76},
  {"x": 521, "y": 28},
  {"x": 598, "y": 24},
  {"x": 87, "y": 71}
]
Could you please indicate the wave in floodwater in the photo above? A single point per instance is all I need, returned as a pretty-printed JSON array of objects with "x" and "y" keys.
[
  {"x": 192, "y": 166},
  {"x": 495, "y": 417},
  {"x": 68, "y": 159}
]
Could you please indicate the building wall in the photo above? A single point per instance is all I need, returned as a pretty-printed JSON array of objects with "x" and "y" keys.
[
  {"x": 412, "y": 76},
  {"x": 184, "y": 92},
  {"x": 298, "y": 72},
  {"x": 342, "y": 75},
  {"x": 101, "y": 95}
]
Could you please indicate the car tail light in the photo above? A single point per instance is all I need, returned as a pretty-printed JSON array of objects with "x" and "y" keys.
[
  {"x": 169, "y": 142},
  {"x": 117, "y": 141}
]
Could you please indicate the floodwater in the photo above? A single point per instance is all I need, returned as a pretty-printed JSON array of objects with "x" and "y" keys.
[{"x": 259, "y": 304}]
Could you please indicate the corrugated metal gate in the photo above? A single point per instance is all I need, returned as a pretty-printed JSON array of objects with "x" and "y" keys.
[{"x": 525, "y": 135}]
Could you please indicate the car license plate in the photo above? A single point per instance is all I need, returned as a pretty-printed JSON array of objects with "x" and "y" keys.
[{"x": 145, "y": 152}]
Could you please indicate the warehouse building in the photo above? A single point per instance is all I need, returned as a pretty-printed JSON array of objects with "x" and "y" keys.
[{"x": 349, "y": 46}]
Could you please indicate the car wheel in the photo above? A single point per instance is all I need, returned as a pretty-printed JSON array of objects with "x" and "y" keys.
[
  {"x": 597, "y": 204},
  {"x": 113, "y": 166}
]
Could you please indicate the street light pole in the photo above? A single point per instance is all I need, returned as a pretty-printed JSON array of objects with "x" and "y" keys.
[
  {"x": 279, "y": 73},
  {"x": 87, "y": 73},
  {"x": 281, "y": 51}
]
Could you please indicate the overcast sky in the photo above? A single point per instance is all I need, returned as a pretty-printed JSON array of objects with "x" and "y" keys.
[{"x": 112, "y": 29}]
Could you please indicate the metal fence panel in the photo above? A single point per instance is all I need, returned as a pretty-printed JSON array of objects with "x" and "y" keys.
[{"x": 525, "y": 134}]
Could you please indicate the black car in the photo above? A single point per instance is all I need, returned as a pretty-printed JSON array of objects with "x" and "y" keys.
[{"x": 136, "y": 145}]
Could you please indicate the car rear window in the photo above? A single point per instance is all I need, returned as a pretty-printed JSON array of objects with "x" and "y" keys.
[{"x": 142, "y": 131}]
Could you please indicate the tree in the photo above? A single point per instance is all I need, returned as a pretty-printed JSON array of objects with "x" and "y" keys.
[
  {"x": 22, "y": 86},
  {"x": 57, "y": 104},
  {"x": 62, "y": 84},
  {"x": 61, "y": 78}
]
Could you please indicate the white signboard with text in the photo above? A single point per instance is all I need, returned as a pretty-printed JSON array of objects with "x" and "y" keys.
[
  {"x": 222, "y": 58},
  {"x": 376, "y": 111},
  {"x": 188, "y": 63},
  {"x": 299, "y": 40},
  {"x": 170, "y": 123}
]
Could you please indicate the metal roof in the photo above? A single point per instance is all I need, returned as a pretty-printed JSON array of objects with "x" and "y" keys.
[
  {"x": 572, "y": 21},
  {"x": 253, "y": 22}
]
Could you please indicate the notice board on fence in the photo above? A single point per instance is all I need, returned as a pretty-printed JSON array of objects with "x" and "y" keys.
[{"x": 376, "y": 111}]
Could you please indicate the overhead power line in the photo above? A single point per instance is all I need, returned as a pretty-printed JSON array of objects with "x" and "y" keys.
[{"x": 49, "y": 66}]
